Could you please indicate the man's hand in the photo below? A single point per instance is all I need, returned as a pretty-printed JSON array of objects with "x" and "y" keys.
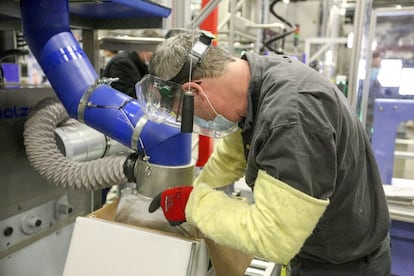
[{"x": 172, "y": 202}]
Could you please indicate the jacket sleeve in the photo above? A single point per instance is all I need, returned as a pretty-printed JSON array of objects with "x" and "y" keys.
[
  {"x": 272, "y": 229},
  {"x": 226, "y": 165}
]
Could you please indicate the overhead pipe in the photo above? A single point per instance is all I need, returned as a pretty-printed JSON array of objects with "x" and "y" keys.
[{"x": 90, "y": 100}]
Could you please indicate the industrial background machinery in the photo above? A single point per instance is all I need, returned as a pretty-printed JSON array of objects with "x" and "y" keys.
[{"x": 65, "y": 133}]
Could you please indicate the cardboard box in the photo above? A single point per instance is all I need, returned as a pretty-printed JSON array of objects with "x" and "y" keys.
[
  {"x": 227, "y": 261},
  {"x": 100, "y": 246}
]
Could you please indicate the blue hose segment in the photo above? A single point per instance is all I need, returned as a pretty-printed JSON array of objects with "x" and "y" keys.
[
  {"x": 111, "y": 111},
  {"x": 41, "y": 20},
  {"x": 175, "y": 149},
  {"x": 68, "y": 70}
]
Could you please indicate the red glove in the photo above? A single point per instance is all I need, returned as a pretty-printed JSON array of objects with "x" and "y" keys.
[{"x": 172, "y": 202}]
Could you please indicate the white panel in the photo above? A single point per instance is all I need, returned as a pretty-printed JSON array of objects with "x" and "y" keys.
[{"x": 103, "y": 248}]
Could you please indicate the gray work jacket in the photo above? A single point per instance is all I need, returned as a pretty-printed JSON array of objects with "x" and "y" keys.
[{"x": 300, "y": 129}]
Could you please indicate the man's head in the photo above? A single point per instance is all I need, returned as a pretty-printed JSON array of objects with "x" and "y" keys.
[
  {"x": 171, "y": 62},
  {"x": 170, "y": 56},
  {"x": 376, "y": 59}
]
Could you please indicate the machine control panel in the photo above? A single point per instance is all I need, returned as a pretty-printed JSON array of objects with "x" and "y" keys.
[{"x": 24, "y": 226}]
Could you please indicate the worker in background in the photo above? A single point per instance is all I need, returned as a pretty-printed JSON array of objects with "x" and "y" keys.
[
  {"x": 129, "y": 67},
  {"x": 376, "y": 90},
  {"x": 319, "y": 206}
]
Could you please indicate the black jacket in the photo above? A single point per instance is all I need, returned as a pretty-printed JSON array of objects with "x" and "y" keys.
[
  {"x": 129, "y": 68},
  {"x": 300, "y": 130}
]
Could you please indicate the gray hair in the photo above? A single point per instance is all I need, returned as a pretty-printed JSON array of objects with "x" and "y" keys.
[{"x": 171, "y": 54}]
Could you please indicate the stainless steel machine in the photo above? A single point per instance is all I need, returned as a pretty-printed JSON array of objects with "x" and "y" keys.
[{"x": 36, "y": 217}]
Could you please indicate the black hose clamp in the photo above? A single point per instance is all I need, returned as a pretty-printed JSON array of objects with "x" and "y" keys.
[{"x": 129, "y": 167}]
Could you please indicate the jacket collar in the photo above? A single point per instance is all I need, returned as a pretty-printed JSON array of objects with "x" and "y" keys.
[{"x": 253, "y": 90}]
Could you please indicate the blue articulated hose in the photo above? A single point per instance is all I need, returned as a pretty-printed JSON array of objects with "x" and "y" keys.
[{"x": 47, "y": 32}]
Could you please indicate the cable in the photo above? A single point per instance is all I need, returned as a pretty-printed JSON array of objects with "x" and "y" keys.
[{"x": 268, "y": 43}]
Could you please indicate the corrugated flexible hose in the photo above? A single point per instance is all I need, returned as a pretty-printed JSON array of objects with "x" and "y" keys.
[{"x": 48, "y": 161}]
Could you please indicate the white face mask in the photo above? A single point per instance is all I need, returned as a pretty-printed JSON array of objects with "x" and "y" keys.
[{"x": 217, "y": 128}]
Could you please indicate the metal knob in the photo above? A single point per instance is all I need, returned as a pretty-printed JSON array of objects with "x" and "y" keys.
[
  {"x": 30, "y": 224},
  {"x": 63, "y": 209}
]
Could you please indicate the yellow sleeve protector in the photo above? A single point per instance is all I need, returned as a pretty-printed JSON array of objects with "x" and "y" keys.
[
  {"x": 226, "y": 165},
  {"x": 274, "y": 227}
]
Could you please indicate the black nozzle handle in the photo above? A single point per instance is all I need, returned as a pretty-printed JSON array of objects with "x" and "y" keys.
[{"x": 187, "y": 113}]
